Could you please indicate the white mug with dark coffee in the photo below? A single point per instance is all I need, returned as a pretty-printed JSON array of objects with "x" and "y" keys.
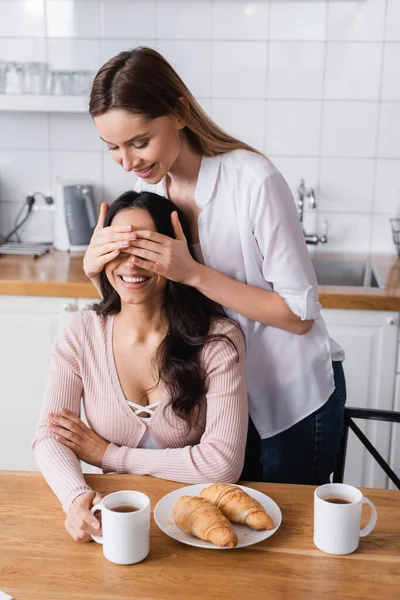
[
  {"x": 337, "y": 517},
  {"x": 125, "y": 525}
]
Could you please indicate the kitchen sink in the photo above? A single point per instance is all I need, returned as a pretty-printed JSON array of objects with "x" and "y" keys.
[{"x": 336, "y": 271}]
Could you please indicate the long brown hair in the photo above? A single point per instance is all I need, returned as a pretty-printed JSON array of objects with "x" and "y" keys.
[{"x": 142, "y": 82}]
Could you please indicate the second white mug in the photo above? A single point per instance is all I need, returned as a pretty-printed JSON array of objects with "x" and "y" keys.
[
  {"x": 337, "y": 517},
  {"x": 125, "y": 525}
]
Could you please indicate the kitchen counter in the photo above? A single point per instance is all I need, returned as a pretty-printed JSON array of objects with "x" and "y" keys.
[
  {"x": 38, "y": 559},
  {"x": 60, "y": 274}
]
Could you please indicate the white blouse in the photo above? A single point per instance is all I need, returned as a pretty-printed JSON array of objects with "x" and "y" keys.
[{"x": 249, "y": 229}]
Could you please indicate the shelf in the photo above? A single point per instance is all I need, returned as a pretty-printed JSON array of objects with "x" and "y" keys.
[{"x": 21, "y": 102}]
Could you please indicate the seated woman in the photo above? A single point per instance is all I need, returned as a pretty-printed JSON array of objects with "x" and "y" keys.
[{"x": 161, "y": 370}]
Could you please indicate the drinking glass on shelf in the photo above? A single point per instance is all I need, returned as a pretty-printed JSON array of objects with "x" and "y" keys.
[
  {"x": 3, "y": 69},
  {"x": 35, "y": 78},
  {"x": 60, "y": 83},
  {"x": 81, "y": 81},
  {"x": 14, "y": 78}
]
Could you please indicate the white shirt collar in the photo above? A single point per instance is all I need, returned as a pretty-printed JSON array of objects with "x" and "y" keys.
[{"x": 208, "y": 173}]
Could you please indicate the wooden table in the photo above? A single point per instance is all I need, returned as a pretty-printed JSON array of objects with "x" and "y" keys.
[{"x": 39, "y": 561}]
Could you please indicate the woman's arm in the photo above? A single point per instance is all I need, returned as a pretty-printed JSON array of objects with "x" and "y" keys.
[
  {"x": 58, "y": 464},
  {"x": 219, "y": 456},
  {"x": 254, "y": 303}
]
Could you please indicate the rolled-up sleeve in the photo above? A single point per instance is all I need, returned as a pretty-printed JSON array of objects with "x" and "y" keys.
[{"x": 286, "y": 266}]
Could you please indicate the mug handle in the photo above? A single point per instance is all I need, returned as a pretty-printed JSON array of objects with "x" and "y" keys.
[
  {"x": 372, "y": 522},
  {"x": 96, "y": 538}
]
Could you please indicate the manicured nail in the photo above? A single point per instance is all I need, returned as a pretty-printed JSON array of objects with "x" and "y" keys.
[
  {"x": 95, "y": 525},
  {"x": 129, "y": 227},
  {"x": 126, "y": 243},
  {"x": 132, "y": 236}
]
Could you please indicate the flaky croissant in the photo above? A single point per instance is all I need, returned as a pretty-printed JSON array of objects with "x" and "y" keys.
[
  {"x": 201, "y": 518},
  {"x": 237, "y": 505}
]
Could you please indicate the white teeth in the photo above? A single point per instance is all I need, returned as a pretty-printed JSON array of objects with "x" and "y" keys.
[{"x": 133, "y": 279}]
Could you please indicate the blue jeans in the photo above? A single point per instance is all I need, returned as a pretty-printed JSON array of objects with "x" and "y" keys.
[{"x": 305, "y": 453}]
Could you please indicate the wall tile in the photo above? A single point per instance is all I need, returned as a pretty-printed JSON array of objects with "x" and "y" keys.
[
  {"x": 349, "y": 234},
  {"x": 73, "y": 132},
  {"x": 80, "y": 167},
  {"x": 240, "y": 19},
  {"x": 391, "y": 72},
  {"x": 128, "y": 19},
  {"x": 349, "y": 129},
  {"x": 389, "y": 130},
  {"x": 24, "y": 131},
  {"x": 244, "y": 119},
  {"x": 293, "y": 127},
  {"x": 23, "y": 172},
  {"x": 393, "y": 21},
  {"x": 307, "y": 20},
  {"x": 178, "y": 19},
  {"x": 183, "y": 55},
  {"x": 110, "y": 48},
  {"x": 239, "y": 70},
  {"x": 22, "y": 49},
  {"x": 22, "y": 18},
  {"x": 296, "y": 69},
  {"x": 356, "y": 20},
  {"x": 387, "y": 188},
  {"x": 74, "y": 54},
  {"x": 353, "y": 71},
  {"x": 346, "y": 184},
  {"x": 72, "y": 18},
  {"x": 382, "y": 240}
]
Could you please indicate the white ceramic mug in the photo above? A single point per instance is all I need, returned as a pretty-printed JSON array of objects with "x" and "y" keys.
[
  {"x": 126, "y": 535},
  {"x": 337, "y": 526}
]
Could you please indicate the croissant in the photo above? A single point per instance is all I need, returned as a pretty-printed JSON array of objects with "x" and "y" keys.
[
  {"x": 237, "y": 505},
  {"x": 201, "y": 518}
]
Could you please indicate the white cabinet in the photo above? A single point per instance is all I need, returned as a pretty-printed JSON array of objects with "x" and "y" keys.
[
  {"x": 370, "y": 340},
  {"x": 28, "y": 327}
]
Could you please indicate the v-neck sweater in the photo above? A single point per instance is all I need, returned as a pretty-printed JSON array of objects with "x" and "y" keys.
[{"x": 83, "y": 366}]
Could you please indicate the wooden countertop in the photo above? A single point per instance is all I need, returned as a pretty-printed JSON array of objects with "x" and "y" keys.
[
  {"x": 39, "y": 561},
  {"x": 60, "y": 274},
  {"x": 54, "y": 274}
]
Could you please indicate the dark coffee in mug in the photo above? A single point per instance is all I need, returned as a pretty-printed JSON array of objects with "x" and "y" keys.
[
  {"x": 124, "y": 508},
  {"x": 337, "y": 500}
]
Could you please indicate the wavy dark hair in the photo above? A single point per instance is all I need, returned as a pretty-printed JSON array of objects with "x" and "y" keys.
[{"x": 188, "y": 312}]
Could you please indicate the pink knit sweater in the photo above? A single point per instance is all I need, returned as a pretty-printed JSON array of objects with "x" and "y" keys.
[{"x": 83, "y": 366}]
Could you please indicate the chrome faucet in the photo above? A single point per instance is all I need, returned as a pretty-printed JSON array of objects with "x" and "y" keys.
[{"x": 308, "y": 193}]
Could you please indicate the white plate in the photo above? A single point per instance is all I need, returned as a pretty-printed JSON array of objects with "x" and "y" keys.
[{"x": 246, "y": 536}]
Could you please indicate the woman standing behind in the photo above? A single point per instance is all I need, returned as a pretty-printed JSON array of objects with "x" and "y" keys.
[{"x": 252, "y": 257}]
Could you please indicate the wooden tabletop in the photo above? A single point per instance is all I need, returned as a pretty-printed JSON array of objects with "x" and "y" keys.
[
  {"x": 61, "y": 274},
  {"x": 39, "y": 561}
]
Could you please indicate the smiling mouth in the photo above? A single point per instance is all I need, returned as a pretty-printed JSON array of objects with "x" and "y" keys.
[
  {"x": 145, "y": 171},
  {"x": 131, "y": 281}
]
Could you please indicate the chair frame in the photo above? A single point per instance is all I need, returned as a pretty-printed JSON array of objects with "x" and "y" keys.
[{"x": 370, "y": 415}]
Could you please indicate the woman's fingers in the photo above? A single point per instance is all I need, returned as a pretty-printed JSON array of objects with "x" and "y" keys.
[
  {"x": 176, "y": 224},
  {"x": 148, "y": 245},
  {"x": 102, "y": 216}
]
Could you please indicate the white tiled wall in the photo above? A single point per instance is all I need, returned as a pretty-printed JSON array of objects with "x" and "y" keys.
[{"x": 315, "y": 84}]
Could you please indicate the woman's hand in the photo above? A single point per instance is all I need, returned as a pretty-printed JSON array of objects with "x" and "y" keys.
[
  {"x": 166, "y": 256},
  {"x": 80, "y": 522},
  {"x": 73, "y": 433},
  {"x": 105, "y": 245}
]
